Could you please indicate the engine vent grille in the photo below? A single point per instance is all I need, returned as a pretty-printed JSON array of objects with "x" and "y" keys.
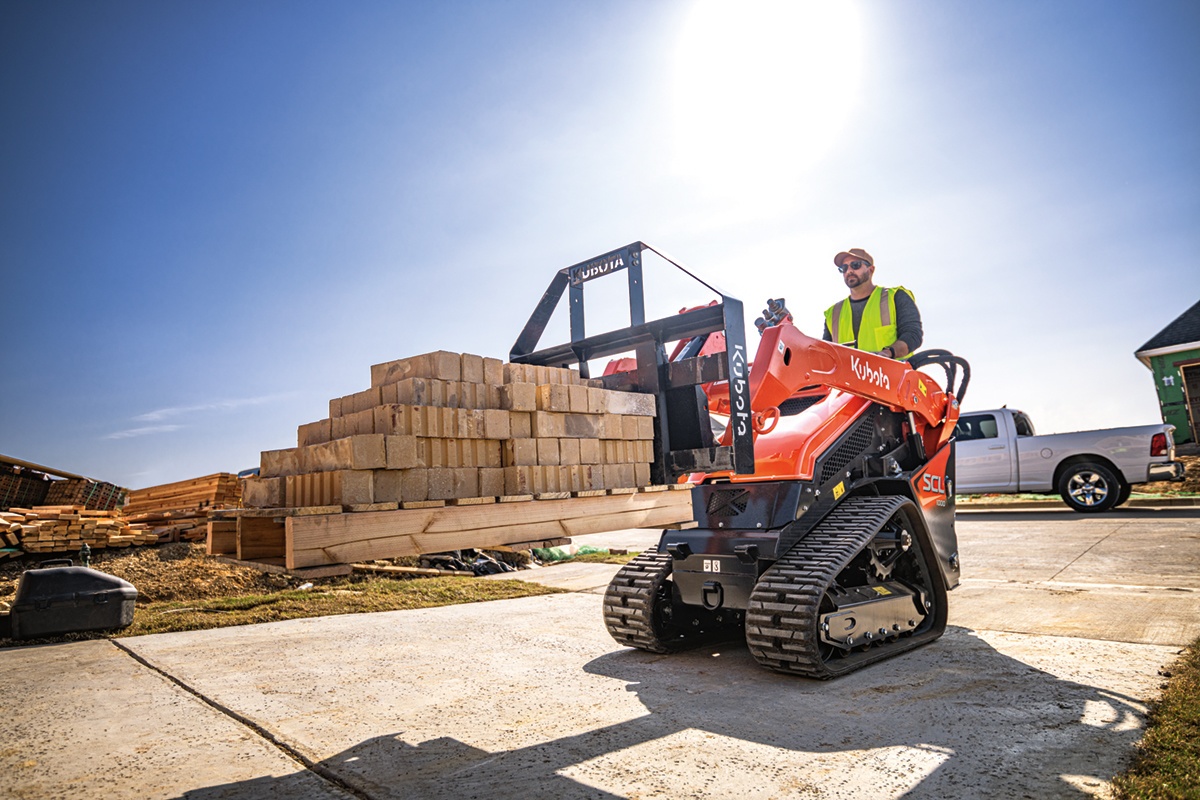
[
  {"x": 795, "y": 405},
  {"x": 853, "y": 446},
  {"x": 728, "y": 502}
]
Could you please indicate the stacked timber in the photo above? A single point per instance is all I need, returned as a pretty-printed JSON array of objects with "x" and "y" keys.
[
  {"x": 179, "y": 511},
  {"x": 458, "y": 427},
  {"x": 95, "y": 495},
  {"x": 220, "y": 490},
  {"x": 66, "y": 528},
  {"x": 10, "y": 534},
  {"x": 22, "y": 487}
]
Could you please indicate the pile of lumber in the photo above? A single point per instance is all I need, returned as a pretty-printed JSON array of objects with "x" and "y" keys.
[
  {"x": 95, "y": 495},
  {"x": 219, "y": 490},
  {"x": 22, "y": 487},
  {"x": 454, "y": 427},
  {"x": 65, "y": 528}
]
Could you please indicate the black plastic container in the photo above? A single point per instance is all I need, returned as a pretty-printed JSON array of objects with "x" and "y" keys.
[{"x": 57, "y": 600}]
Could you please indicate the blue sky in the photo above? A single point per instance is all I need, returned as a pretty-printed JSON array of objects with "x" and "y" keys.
[{"x": 215, "y": 216}]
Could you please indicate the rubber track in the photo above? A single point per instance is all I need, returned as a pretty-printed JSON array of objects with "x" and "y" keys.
[
  {"x": 629, "y": 602},
  {"x": 783, "y": 613}
]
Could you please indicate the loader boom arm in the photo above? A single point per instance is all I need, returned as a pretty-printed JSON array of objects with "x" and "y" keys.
[{"x": 788, "y": 360}]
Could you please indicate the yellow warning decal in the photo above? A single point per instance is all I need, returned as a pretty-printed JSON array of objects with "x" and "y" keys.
[
  {"x": 881, "y": 590},
  {"x": 839, "y": 490},
  {"x": 924, "y": 388}
]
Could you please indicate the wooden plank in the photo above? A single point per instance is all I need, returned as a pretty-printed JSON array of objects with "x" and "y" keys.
[
  {"x": 222, "y": 537},
  {"x": 259, "y": 537},
  {"x": 341, "y": 538}
]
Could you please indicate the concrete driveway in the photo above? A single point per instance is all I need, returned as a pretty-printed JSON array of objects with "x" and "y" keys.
[{"x": 1038, "y": 689}]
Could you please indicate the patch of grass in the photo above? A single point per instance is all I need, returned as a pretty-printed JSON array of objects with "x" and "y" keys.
[
  {"x": 600, "y": 558},
  {"x": 1167, "y": 765},
  {"x": 382, "y": 594}
]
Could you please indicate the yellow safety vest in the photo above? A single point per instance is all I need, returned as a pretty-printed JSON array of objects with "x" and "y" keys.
[{"x": 876, "y": 329}]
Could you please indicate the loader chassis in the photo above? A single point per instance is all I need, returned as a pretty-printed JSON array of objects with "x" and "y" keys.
[
  {"x": 824, "y": 509},
  {"x": 822, "y": 578}
]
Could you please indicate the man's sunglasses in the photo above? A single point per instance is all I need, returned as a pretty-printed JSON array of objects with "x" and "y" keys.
[{"x": 852, "y": 265}]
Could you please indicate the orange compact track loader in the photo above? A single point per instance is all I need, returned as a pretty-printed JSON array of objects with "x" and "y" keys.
[{"x": 823, "y": 496}]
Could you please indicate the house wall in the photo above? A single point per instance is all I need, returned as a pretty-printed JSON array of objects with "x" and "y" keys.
[{"x": 1168, "y": 381}]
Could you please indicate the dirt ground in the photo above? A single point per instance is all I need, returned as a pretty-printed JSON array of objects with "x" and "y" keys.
[{"x": 178, "y": 571}]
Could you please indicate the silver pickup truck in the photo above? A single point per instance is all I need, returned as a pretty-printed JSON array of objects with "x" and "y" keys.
[{"x": 998, "y": 451}]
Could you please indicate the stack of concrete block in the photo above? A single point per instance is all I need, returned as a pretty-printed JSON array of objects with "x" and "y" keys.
[{"x": 449, "y": 426}]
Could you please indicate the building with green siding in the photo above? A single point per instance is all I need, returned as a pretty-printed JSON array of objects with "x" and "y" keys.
[{"x": 1173, "y": 355}]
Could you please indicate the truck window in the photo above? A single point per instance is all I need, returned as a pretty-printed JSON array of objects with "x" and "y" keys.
[
  {"x": 1024, "y": 425},
  {"x": 978, "y": 426}
]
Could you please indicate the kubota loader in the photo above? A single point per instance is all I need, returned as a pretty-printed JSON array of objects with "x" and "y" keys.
[{"x": 823, "y": 497}]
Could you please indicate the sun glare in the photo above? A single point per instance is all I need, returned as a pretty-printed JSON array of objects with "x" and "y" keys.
[{"x": 763, "y": 89}]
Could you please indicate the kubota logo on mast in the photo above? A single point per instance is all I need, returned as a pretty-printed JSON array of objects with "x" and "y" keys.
[
  {"x": 596, "y": 269},
  {"x": 866, "y": 373},
  {"x": 741, "y": 406}
]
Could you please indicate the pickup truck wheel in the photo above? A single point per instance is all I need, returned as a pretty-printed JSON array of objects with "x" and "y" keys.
[
  {"x": 1123, "y": 495},
  {"x": 1089, "y": 488}
]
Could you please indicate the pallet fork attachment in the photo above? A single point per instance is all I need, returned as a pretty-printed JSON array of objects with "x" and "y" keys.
[{"x": 684, "y": 441}]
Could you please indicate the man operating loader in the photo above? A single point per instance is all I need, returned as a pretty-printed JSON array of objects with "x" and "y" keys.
[{"x": 878, "y": 319}]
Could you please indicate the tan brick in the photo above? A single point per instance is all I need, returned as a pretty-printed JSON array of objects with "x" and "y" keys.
[
  {"x": 491, "y": 482},
  {"x": 492, "y": 450},
  {"x": 394, "y": 420},
  {"x": 276, "y": 463},
  {"x": 519, "y": 480},
  {"x": 547, "y": 451},
  {"x": 496, "y": 424},
  {"x": 358, "y": 423},
  {"x": 493, "y": 371},
  {"x": 440, "y": 365},
  {"x": 577, "y": 399},
  {"x": 403, "y": 452},
  {"x": 610, "y": 427},
  {"x": 335, "y": 407},
  {"x": 519, "y": 373},
  {"x": 641, "y": 474},
  {"x": 553, "y": 397},
  {"x": 361, "y": 401},
  {"x": 450, "y": 484},
  {"x": 520, "y": 424},
  {"x": 645, "y": 427},
  {"x": 520, "y": 452},
  {"x": 472, "y": 368},
  {"x": 414, "y": 485},
  {"x": 569, "y": 453},
  {"x": 637, "y": 403},
  {"x": 317, "y": 432},
  {"x": 353, "y": 453},
  {"x": 548, "y": 425},
  {"x": 263, "y": 492},
  {"x": 589, "y": 451},
  {"x": 582, "y": 426},
  {"x": 629, "y": 427},
  {"x": 595, "y": 400},
  {"x": 518, "y": 397}
]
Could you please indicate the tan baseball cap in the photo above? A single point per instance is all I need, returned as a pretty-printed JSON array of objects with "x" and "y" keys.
[{"x": 853, "y": 253}]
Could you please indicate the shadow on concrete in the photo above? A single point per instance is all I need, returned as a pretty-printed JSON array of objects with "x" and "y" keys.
[
  {"x": 953, "y": 719},
  {"x": 1066, "y": 515}
]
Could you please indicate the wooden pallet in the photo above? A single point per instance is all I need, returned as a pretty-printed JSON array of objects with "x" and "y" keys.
[{"x": 308, "y": 537}]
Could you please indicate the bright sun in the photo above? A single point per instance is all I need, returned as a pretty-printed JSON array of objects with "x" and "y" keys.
[{"x": 763, "y": 88}]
